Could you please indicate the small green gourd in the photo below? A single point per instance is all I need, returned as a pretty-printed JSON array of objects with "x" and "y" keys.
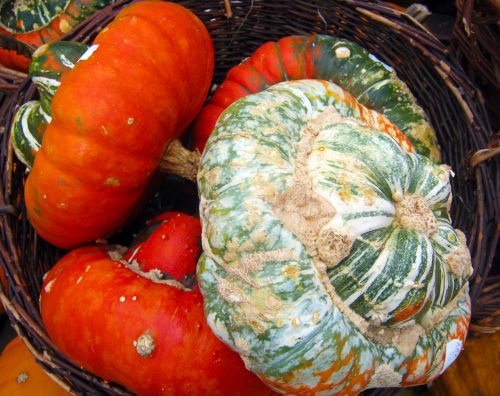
[{"x": 48, "y": 64}]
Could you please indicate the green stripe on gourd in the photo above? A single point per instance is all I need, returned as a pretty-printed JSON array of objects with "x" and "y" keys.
[
  {"x": 24, "y": 16},
  {"x": 375, "y": 85},
  {"x": 328, "y": 250},
  {"x": 48, "y": 64},
  {"x": 28, "y": 127}
]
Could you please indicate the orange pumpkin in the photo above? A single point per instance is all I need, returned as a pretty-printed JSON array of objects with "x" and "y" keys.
[
  {"x": 114, "y": 114},
  {"x": 20, "y": 375}
]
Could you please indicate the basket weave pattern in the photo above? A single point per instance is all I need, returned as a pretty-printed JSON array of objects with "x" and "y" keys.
[
  {"x": 237, "y": 29},
  {"x": 475, "y": 46}
]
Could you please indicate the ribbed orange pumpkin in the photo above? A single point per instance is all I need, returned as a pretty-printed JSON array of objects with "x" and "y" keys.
[{"x": 113, "y": 117}]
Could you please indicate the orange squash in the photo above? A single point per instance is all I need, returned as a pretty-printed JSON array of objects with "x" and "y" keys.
[
  {"x": 113, "y": 117},
  {"x": 20, "y": 375}
]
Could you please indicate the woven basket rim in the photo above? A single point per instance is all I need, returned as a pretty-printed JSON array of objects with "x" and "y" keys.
[{"x": 20, "y": 305}]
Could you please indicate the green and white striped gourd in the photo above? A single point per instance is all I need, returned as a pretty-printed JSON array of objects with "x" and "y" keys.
[
  {"x": 330, "y": 263},
  {"x": 35, "y": 16},
  {"x": 48, "y": 64}
]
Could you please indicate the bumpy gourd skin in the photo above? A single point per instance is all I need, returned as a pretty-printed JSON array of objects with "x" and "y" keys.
[
  {"x": 113, "y": 117},
  {"x": 329, "y": 262},
  {"x": 329, "y": 58}
]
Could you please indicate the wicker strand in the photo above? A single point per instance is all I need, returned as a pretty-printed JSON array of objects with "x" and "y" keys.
[
  {"x": 483, "y": 155},
  {"x": 39, "y": 358},
  {"x": 7, "y": 209},
  {"x": 229, "y": 11}
]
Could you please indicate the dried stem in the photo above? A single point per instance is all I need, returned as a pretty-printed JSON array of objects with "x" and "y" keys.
[{"x": 180, "y": 161}]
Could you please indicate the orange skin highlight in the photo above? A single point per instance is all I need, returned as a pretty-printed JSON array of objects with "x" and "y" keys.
[{"x": 114, "y": 114}]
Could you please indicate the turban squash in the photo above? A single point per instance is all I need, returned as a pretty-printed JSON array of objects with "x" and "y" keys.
[
  {"x": 373, "y": 83},
  {"x": 330, "y": 263},
  {"x": 113, "y": 116},
  {"x": 40, "y": 22}
]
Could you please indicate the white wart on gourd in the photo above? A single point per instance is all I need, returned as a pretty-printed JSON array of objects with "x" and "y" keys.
[{"x": 330, "y": 262}]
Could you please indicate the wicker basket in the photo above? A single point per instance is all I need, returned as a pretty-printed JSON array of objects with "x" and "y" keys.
[
  {"x": 475, "y": 43},
  {"x": 238, "y": 28}
]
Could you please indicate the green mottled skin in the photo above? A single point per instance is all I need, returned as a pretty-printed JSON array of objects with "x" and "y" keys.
[
  {"x": 24, "y": 16},
  {"x": 279, "y": 314},
  {"x": 47, "y": 66},
  {"x": 381, "y": 169},
  {"x": 49, "y": 62},
  {"x": 27, "y": 130},
  {"x": 376, "y": 86}
]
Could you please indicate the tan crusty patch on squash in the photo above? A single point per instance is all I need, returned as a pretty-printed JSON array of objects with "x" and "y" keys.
[
  {"x": 333, "y": 247},
  {"x": 301, "y": 210},
  {"x": 145, "y": 345},
  {"x": 305, "y": 213},
  {"x": 459, "y": 261},
  {"x": 385, "y": 376},
  {"x": 413, "y": 212}
]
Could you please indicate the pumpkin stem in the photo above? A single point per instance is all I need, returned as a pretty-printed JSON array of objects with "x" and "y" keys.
[{"x": 180, "y": 161}]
